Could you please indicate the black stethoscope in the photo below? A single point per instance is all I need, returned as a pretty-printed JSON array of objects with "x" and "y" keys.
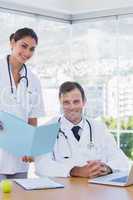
[
  {"x": 22, "y": 77},
  {"x": 90, "y": 145}
]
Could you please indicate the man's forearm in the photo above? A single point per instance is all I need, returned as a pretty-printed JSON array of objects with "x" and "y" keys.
[{"x": 84, "y": 172}]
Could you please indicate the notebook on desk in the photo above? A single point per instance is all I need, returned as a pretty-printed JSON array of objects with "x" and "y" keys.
[
  {"x": 38, "y": 183},
  {"x": 117, "y": 179}
]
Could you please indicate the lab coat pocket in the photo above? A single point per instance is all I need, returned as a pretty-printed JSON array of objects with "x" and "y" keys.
[{"x": 63, "y": 149}]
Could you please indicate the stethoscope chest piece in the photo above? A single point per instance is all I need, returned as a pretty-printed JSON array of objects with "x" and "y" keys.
[{"x": 90, "y": 146}]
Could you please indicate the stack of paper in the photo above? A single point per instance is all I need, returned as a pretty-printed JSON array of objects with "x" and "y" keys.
[
  {"x": 38, "y": 183},
  {"x": 20, "y": 138}
]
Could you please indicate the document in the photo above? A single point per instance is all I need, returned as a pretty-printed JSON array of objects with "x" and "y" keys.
[
  {"x": 38, "y": 183},
  {"x": 20, "y": 138}
]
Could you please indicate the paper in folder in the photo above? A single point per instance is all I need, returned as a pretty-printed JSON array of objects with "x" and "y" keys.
[{"x": 20, "y": 138}]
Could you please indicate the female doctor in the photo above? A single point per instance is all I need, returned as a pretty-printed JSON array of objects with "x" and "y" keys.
[
  {"x": 20, "y": 95},
  {"x": 83, "y": 148}
]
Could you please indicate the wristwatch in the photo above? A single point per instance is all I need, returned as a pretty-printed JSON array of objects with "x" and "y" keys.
[{"x": 108, "y": 169}]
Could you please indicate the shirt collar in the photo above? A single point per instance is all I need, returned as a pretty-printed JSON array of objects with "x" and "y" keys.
[
  {"x": 69, "y": 125},
  {"x": 21, "y": 72}
]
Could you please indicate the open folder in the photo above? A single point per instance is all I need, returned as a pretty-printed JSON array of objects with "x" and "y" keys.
[{"x": 20, "y": 138}]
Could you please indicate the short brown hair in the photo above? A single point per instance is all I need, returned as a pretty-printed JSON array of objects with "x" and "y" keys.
[{"x": 69, "y": 86}]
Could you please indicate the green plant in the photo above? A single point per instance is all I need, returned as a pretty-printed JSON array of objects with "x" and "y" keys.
[
  {"x": 126, "y": 141},
  {"x": 130, "y": 123},
  {"x": 110, "y": 122}
]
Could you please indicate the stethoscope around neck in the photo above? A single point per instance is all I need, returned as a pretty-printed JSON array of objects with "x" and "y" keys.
[
  {"x": 22, "y": 77},
  {"x": 90, "y": 143}
]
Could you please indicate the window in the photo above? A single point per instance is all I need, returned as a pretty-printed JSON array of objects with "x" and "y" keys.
[{"x": 98, "y": 54}]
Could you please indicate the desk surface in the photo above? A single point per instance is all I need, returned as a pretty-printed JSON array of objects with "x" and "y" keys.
[{"x": 75, "y": 189}]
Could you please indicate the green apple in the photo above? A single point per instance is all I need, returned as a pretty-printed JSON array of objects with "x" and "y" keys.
[{"x": 6, "y": 186}]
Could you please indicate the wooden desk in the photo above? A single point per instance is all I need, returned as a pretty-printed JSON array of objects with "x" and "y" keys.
[{"x": 75, "y": 189}]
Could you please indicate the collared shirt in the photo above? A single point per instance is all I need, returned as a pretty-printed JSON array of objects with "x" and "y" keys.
[
  {"x": 24, "y": 103},
  {"x": 66, "y": 126},
  {"x": 70, "y": 152}
]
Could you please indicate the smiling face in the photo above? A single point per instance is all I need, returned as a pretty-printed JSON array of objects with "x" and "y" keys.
[
  {"x": 72, "y": 104},
  {"x": 23, "y": 49}
]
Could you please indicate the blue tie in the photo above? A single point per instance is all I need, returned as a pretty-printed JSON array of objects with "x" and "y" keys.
[{"x": 75, "y": 131}]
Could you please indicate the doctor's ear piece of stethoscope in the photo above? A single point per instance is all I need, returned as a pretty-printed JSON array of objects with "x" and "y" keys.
[{"x": 1, "y": 126}]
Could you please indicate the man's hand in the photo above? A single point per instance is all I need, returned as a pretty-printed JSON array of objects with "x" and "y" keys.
[
  {"x": 92, "y": 169},
  {"x": 27, "y": 159}
]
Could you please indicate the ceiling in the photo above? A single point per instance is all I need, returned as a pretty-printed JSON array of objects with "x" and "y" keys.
[
  {"x": 73, "y": 6},
  {"x": 69, "y": 8}
]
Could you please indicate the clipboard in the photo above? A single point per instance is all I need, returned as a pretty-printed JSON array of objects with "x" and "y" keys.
[{"x": 38, "y": 183}]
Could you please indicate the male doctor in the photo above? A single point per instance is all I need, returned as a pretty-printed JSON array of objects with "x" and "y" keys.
[{"x": 84, "y": 148}]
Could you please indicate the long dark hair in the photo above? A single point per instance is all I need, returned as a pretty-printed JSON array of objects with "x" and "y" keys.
[{"x": 24, "y": 32}]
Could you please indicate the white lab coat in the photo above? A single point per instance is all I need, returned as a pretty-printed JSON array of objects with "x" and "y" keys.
[
  {"x": 23, "y": 103},
  {"x": 105, "y": 149}
]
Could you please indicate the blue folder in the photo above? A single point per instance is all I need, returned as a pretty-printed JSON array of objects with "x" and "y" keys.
[{"x": 20, "y": 138}]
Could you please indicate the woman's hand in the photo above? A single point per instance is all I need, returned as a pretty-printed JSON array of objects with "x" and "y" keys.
[{"x": 27, "y": 159}]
